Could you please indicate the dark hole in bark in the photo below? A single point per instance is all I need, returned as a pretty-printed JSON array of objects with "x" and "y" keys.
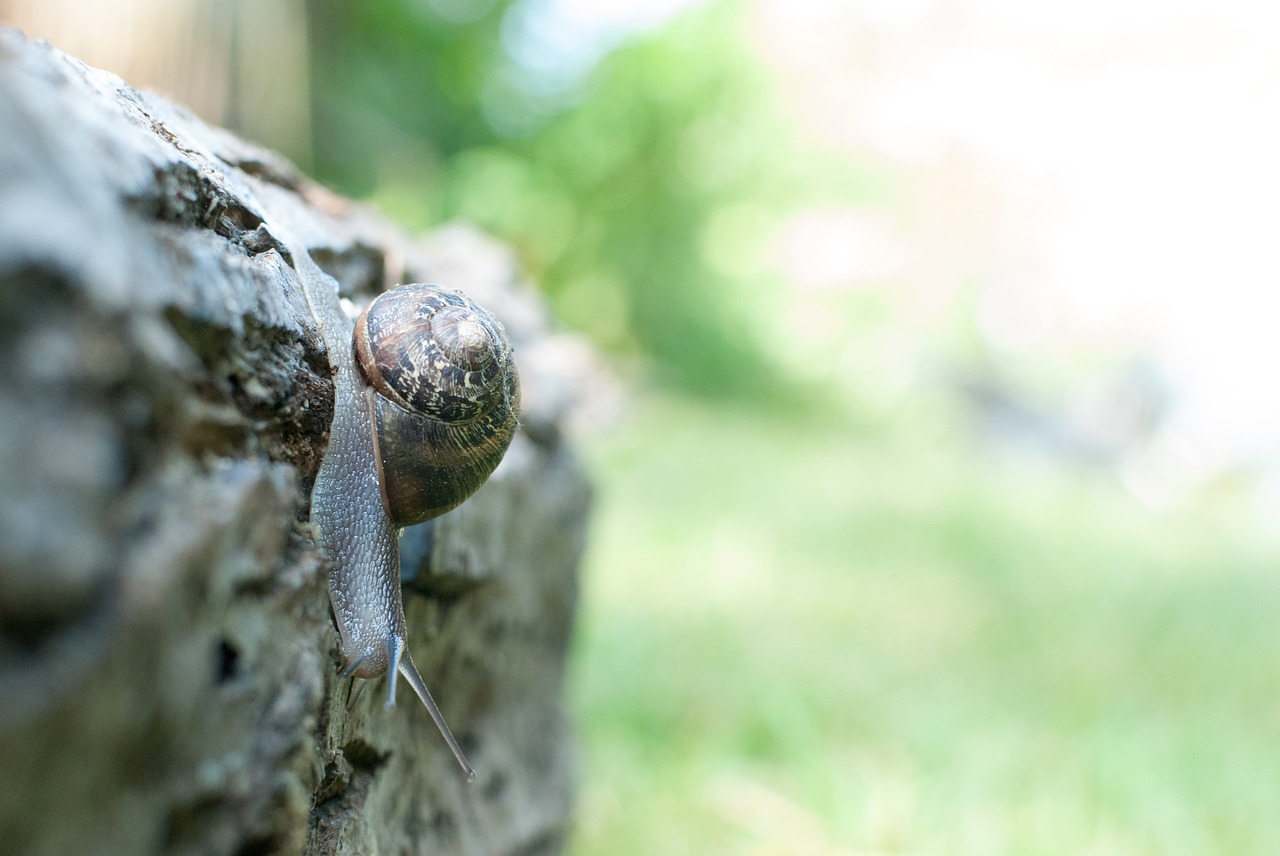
[{"x": 228, "y": 661}]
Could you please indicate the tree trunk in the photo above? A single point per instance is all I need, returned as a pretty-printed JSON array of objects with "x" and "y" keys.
[{"x": 168, "y": 661}]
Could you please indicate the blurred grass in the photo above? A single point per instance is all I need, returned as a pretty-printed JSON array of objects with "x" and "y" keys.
[{"x": 801, "y": 637}]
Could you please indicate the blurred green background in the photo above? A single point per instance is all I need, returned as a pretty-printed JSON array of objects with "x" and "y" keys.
[{"x": 897, "y": 548}]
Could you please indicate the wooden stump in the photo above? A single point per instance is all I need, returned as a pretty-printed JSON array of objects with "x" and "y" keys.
[{"x": 167, "y": 654}]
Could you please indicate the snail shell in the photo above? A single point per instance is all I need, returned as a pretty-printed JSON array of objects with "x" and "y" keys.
[{"x": 448, "y": 396}]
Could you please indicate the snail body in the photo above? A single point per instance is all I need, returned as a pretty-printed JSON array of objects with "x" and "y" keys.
[{"x": 425, "y": 405}]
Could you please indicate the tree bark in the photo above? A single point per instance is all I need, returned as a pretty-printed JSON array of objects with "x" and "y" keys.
[{"x": 168, "y": 678}]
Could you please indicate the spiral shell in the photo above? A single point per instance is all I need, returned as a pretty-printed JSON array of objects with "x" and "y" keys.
[{"x": 447, "y": 396}]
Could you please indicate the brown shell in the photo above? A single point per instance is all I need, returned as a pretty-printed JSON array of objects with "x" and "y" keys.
[{"x": 448, "y": 396}]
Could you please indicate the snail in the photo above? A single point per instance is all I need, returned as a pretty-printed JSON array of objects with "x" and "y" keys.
[
  {"x": 426, "y": 401},
  {"x": 416, "y": 429}
]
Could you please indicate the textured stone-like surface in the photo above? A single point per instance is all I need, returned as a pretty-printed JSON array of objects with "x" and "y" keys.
[{"x": 167, "y": 657}]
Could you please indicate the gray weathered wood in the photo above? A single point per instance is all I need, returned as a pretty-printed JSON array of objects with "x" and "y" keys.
[{"x": 167, "y": 656}]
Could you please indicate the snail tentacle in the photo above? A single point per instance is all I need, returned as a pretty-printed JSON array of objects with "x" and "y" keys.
[{"x": 410, "y": 672}]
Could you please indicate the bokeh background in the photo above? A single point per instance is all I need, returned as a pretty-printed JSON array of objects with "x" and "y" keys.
[{"x": 940, "y": 516}]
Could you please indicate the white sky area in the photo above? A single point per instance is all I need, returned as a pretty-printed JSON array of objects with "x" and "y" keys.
[
  {"x": 557, "y": 40},
  {"x": 1133, "y": 147},
  {"x": 1140, "y": 143}
]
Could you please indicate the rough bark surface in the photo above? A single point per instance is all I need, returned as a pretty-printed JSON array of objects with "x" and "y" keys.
[{"x": 167, "y": 654}]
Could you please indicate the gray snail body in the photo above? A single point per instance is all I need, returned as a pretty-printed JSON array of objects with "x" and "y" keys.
[{"x": 426, "y": 404}]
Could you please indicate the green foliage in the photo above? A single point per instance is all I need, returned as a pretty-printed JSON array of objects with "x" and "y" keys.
[
  {"x": 642, "y": 210},
  {"x": 666, "y": 135},
  {"x": 395, "y": 92}
]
